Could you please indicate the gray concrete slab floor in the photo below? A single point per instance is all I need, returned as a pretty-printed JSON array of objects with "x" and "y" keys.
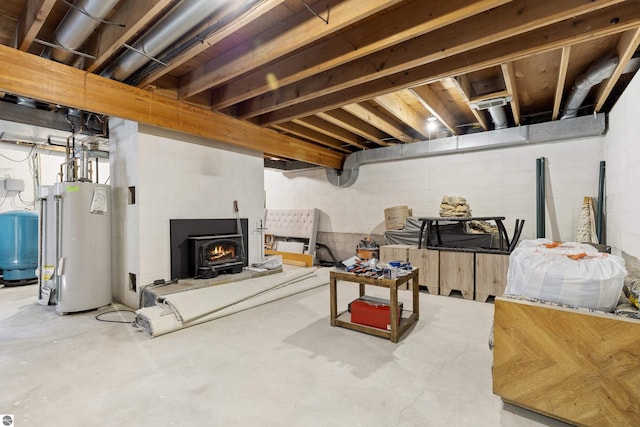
[{"x": 280, "y": 364}]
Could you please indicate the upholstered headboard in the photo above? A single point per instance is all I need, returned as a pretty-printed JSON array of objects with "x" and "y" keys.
[{"x": 293, "y": 223}]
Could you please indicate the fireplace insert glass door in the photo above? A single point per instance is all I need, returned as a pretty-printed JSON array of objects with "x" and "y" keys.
[{"x": 211, "y": 255}]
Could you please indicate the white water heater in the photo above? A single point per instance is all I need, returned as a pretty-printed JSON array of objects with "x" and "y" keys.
[{"x": 75, "y": 246}]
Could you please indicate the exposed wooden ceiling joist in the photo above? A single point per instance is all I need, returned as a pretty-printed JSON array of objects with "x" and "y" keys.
[
  {"x": 434, "y": 105},
  {"x": 33, "y": 17},
  {"x": 354, "y": 124},
  {"x": 461, "y": 83},
  {"x": 512, "y": 92},
  {"x": 468, "y": 35},
  {"x": 332, "y": 76},
  {"x": 132, "y": 17},
  {"x": 626, "y": 48},
  {"x": 330, "y": 129},
  {"x": 399, "y": 25},
  {"x": 306, "y": 29},
  {"x": 379, "y": 124},
  {"x": 562, "y": 76},
  {"x": 619, "y": 18},
  {"x": 401, "y": 105}
]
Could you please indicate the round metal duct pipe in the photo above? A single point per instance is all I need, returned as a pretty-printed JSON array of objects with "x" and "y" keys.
[
  {"x": 599, "y": 72},
  {"x": 161, "y": 36},
  {"x": 499, "y": 117},
  {"x": 76, "y": 27}
]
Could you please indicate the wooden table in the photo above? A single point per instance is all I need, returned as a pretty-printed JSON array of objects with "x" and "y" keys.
[{"x": 396, "y": 329}]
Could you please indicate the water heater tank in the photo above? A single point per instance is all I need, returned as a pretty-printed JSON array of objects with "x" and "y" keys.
[{"x": 18, "y": 245}]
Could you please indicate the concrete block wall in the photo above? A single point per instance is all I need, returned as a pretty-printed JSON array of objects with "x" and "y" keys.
[
  {"x": 176, "y": 177},
  {"x": 497, "y": 182},
  {"x": 622, "y": 152}
]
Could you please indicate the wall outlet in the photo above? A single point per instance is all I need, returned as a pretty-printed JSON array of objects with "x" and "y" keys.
[{"x": 12, "y": 184}]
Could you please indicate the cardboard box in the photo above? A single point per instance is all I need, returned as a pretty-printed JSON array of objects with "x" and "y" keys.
[{"x": 371, "y": 311}]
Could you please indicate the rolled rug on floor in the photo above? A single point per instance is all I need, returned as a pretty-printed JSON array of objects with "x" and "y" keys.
[{"x": 184, "y": 309}]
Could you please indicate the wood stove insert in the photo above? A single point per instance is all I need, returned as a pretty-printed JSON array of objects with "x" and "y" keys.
[{"x": 212, "y": 255}]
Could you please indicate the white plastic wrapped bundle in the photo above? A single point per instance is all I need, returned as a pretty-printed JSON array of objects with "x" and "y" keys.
[{"x": 568, "y": 273}]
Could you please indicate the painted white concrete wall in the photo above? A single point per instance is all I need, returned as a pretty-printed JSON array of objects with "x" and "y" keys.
[
  {"x": 622, "y": 153},
  {"x": 176, "y": 177},
  {"x": 14, "y": 163},
  {"x": 496, "y": 183},
  {"x": 125, "y": 259}
]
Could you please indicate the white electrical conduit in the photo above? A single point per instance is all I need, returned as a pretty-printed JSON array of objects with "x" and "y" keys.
[{"x": 183, "y": 309}]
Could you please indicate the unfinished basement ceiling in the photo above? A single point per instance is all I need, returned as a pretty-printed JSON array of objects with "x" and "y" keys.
[{"x": 334, "y": 77}]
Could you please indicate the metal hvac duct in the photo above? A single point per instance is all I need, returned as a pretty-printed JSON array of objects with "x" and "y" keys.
[
  {"x": 161, "y": 36},
  {"x": 499, "y": 117},
  {"x": 600, "y": 71},
  {"x": 579, "y": 127},
  {"x": 495, "y": 107},
  {"x": 77, "y": 25}
]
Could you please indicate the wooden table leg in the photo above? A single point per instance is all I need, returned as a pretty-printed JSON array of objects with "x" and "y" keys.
[
  {"x": 333, "y": 300},
  {"x": 361, "y": 289},
  {"x": 416, "y": 297},
  {"x": 394, "y": 312}
]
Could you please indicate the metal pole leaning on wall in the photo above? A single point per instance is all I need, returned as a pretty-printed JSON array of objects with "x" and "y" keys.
[
  {"x": 540, "y": 196},
  {"x": 600, "y": 215}
]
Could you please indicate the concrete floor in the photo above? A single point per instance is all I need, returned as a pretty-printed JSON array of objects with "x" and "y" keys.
[{"x": 280, "y": 364}]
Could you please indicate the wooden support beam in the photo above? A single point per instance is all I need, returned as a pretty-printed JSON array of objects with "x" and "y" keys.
[
  {"x": 568, "y": 32},
  {"x": 512, "y": 90},
  {"x": 33, "y": 16},
  {"x": 247, "y": 56},
  {"x": 562, "y": 77},
  {"x": 626, "y": 48},
  {"x": 45, "y": 80}
]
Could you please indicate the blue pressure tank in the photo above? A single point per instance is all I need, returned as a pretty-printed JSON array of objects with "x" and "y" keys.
[{"x": 18, "y": 245}]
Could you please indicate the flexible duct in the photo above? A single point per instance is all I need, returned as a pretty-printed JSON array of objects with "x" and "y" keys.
[
  {"x": 579, "y": 127},
  {"x": 595, "y": 75},
  {"x": 76, "y": 27},
  {"x": 164, "y": 33}
]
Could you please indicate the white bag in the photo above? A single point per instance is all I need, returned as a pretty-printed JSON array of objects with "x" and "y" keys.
[{"x": 567, "y": 273}]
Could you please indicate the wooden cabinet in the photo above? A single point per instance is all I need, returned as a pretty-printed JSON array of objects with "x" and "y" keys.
[
  {"x": 457, "y": 273},
  {"x": 395, "y": 253},
  {"x": 390, "y": 253},
  {"x": 491, "y": 275},
  {"x": 427, "y": 261}
]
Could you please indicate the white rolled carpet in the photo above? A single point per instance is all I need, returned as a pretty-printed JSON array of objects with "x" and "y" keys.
[{"x": 184, "y": 309}]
